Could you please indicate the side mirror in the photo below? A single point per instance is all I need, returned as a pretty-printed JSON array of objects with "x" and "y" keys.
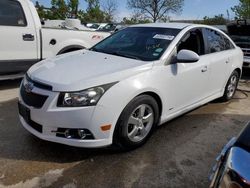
[{"x": 187, "y": 56}]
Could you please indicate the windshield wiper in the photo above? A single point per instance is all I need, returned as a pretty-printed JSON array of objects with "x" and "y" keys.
[
  {"x": 96, "y": 50},
  {"x": 124, "y": 55},
  {"x": 116, "y": 53}
]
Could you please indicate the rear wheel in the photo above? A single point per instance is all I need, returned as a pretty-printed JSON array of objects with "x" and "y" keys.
[
  {"x": 231, "y": 86},
  {"x": 137, "y": 122}
]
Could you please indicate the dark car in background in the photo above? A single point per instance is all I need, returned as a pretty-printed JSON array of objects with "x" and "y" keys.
[
  {"x": 239, "y": 31},
  {"x": 233, "y": 164}
]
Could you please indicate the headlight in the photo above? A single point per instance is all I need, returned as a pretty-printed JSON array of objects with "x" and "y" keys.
[{"x": 88, "y": 97}]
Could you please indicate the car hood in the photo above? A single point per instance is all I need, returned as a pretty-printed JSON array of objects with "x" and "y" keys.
[{"x": 83, "y": 69}]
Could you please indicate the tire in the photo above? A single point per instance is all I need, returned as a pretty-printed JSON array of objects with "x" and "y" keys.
[
  {"x": 135, "y": 124},
  {"x": 231, "y": 86}
]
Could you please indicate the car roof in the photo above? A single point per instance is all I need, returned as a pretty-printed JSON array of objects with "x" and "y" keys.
[{"x": 171, "y": 25}]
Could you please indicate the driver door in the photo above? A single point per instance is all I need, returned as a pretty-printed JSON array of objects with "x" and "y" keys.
[{"x": 187, "y": 83}]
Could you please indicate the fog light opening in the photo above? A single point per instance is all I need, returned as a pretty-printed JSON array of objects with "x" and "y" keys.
[
  {"x": 79, "y": 134},
  {"x": 82, "y": 134},
  {"x": 67, "y": 134}
]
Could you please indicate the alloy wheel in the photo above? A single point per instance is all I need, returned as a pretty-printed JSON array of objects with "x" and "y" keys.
[{"x": 140, "y": 123}]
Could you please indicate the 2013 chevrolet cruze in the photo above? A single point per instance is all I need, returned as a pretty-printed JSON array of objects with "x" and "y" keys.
[{"x": 118, "y": 91}]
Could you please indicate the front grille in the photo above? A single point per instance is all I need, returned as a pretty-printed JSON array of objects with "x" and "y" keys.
[
  {"x": 32, "y": 99},
  {"x": 246, "y": 52}
]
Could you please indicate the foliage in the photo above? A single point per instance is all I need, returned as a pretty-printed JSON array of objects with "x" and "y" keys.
[
  {"x": 110, "y": 9},
  {"x": 73, "y": 8},
  {"x": 61, "y": 9},
  {"x": 242, "y": 11},
  {"x": 156, "y": 10},
  {"x": 137, "y": 18},
  {"x": 216, "y": 20}
]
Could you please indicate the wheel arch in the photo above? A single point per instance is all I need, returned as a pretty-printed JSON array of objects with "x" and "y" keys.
[
  {"x": 157, "y": 99},
  {"x": 239, "y": 71},
  {"x": 70, "y": 49}
]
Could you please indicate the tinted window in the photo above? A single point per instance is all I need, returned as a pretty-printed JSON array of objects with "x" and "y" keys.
[
  {"x": 11, "y": 13},
  {"x": 228, "y": 44},
  {"x": 144, "y": 43},
  {"x": 216, "y": 41},
  {"x": 193, "y": 41}
]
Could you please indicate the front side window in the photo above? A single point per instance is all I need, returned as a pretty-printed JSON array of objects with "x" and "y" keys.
[
  {"x": 143, "y": 43},
  {"x": 215, "y": 41},
  {"x": 11, "y": 13},
  {"x": 193, "y": 41}
]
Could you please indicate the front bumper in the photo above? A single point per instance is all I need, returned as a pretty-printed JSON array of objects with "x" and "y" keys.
[
  {"x": 48, "y": 136},
  {"x": 52, "y": 118}
]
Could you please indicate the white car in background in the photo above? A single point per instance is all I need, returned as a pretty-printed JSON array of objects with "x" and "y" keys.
[{"x": 118, "y": 91}]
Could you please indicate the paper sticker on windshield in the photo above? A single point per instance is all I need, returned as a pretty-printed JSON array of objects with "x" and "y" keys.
[
  {"x": 158, "y": 50},
  {"x": 155, "y": 54},
  {"x": 163, "y": 37}
]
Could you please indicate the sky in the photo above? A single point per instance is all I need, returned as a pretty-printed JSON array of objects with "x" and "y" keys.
[{"x": 192, "y": 9}]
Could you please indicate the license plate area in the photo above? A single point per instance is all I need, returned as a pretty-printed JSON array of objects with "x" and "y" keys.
[{"x": 25, "y": 113}]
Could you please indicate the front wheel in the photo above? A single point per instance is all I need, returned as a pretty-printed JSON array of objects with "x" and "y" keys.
[
  {"x": 136, "y": 123},
  {"x": 231, "y": 86}
]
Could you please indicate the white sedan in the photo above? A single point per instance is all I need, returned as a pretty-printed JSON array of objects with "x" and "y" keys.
[{"x": 118, "y": 91}]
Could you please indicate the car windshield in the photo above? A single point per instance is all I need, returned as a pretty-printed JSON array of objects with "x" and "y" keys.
[{"x": 142, "y": 43}]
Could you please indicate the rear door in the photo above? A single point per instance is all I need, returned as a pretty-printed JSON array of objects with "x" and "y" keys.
[
  {"x": 220, "y": 57},
  {"x": 18, "y": 41}
]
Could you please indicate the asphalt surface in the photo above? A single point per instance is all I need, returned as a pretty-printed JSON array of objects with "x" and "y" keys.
[{"x": 179, "y": 154}]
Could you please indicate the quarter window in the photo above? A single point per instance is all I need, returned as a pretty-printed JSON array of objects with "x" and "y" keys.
[{"x": 11, "y": 13}]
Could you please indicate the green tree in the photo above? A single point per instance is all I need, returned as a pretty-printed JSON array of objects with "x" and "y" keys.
[
  {"x": 242, "y": 11},
  {"x": 94, "y": 13},
  {"x": 156, "y": 10},
  {"x": 110, "y": 8},
  {"x": 92, "y": 4},
  {"x": 73, "y": 8},
  {"x": 59, "y": 9},
  {"x": 216, "y": 20},
  {"x": 137, "y": 18},
  {"x": 40, "y": 10}
]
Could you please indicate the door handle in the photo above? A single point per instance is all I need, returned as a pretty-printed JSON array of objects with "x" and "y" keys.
[
  {"x": 28, "y": 37},
  {"x": 204, "y": 69}
]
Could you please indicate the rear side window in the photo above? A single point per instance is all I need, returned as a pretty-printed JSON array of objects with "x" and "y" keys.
[
  {"x": 228, "y": 44},
  {"x": 11, "y": 13},
  {"x": 215, "y": 41}
]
